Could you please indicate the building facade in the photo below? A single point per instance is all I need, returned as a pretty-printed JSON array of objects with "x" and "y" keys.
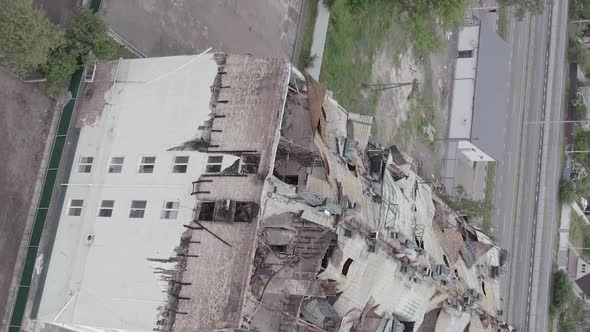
[{"x": 155, "y": 137}]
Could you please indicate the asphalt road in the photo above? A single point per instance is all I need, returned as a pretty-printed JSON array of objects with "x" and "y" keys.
[{"x": 525, "y": 216}]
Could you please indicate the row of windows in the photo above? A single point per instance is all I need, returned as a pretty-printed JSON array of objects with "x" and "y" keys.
[
  {"x": 148, "y": 164},
  {"x": 136, "y": 210}
]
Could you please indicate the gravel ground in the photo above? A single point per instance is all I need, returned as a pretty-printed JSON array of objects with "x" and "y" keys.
[
  {"x": 26, "y": 115},
  {"x": 392, "y": 116}
]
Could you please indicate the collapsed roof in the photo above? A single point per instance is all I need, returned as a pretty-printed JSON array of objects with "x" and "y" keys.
[{"x": 386, "y": 249}]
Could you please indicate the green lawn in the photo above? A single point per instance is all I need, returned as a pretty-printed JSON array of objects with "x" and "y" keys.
[
  {"x": 351, "y": 44},
  {"x": 579, "y": 233},
  {"x": 489, "y": 198},
  {"x": 310, "y": 17},
  {"x": 124, "y": 53},
  {"x": 420, "y": 115},
  {"x": 503, "y": 21}
]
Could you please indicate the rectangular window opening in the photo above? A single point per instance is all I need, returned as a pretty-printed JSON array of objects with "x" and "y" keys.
[
  {"x": 282, "y": 249},
  {"x": 106, "y": 208},
  {"x": 180, "y": 164},
  {"x": 214, "y": 164},
  {"x": 245, "y": 211},
  {"x": 85, "y": 164},
  {"x": 249, "y": 163},
  {"x": 465, "y": 54},
  {"x": 75, "y": 208},
  {"x": 170, "y": 210},
  {"x": 116, "y": 164},
  {"x": 137, "y": 209},
  {"x": 206, "y": 210},
  {"x": 346, "y": 266},
  {"x": 147, "y": 164}
]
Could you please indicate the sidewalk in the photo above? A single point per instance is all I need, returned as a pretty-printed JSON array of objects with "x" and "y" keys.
[
  {"x": 318, "y": 43},
  {"x": 564, "y": 232}
]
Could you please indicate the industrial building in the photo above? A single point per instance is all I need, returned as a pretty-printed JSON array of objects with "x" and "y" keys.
[
  {"x": 478, "y": 107},
  {"x": 219, "y": 192}
]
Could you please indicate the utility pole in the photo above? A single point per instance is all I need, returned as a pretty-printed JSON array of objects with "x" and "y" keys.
[
  {"x": 485, "y": 8},
  {"x": 560, "y": 121},
  {"x": 385, "y": 86},
  {"x": 458, "y": 139}
]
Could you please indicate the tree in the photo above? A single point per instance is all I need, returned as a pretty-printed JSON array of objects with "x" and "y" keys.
[
  {"x": 581, "y": 9},
  {"x": 57, "y": 70},
  {"x": 26, "y": 36},
  {"x": 88, "y": 33},
  {"x": 450, "y": 12},
  {"x": 562, "y": 290},
  {"x": 579, "y": 107},
  {"x": 534, "y": 7},
  {"x": 582, "y": 140},
  {"x": 567, "y": 192}
]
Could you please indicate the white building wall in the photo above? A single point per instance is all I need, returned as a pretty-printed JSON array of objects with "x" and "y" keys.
[
  {"x": 461, "y": 109},
  {"x": 472, "y": 152},
  {"x": 468, "y": 40},
  {"x": 582, "y": 268},
  {"x": 155, "y": 105},
  {"x": 464, "y": 83}
]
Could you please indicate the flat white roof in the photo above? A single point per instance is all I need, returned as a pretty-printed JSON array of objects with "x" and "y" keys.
[
  {"x": 468, "y": 38},
  {"x": 111, "y": 271},
  {"x": 472, "y": 152},
  {"x": 461, "y": 109},
  {"x": 466, "y": 68}
]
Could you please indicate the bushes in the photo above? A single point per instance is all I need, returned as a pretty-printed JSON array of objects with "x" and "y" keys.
[
  {"x": 88, "y": 33},
  {"x": 565, "y": 303},
  {"x": 580, "y": 109},
  {"x": 462, "y": 203},
  {"x": 582, "y": 140},
  {"x": 421, "y": 14},
  {"x": 357, "y": 6},
  {"x": 567, "y": 192},
  {"x": 561, "y": 292}
]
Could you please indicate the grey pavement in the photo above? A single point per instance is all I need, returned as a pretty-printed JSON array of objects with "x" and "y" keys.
[
  {"x": 548, "y": 216},
  {"x": 525, "y": 196},
  {"x": 564, "y": 230},
  {"x": 320, "y": 30},
  {"x": 265, "y": 28}
]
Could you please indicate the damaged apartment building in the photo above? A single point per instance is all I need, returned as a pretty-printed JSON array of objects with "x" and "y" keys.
[{"x": 221, "y": 192}]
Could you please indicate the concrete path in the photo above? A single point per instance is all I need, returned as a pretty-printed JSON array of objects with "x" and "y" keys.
[
  {"x": 564, "y": 232},
  {"x": 318, "y": 43}
]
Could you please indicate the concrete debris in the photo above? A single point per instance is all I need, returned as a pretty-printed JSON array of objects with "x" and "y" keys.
[{"x": 351, "y": 239}]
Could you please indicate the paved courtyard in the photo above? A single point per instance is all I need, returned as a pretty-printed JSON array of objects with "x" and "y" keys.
[{"x": 266, "y": 28}]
